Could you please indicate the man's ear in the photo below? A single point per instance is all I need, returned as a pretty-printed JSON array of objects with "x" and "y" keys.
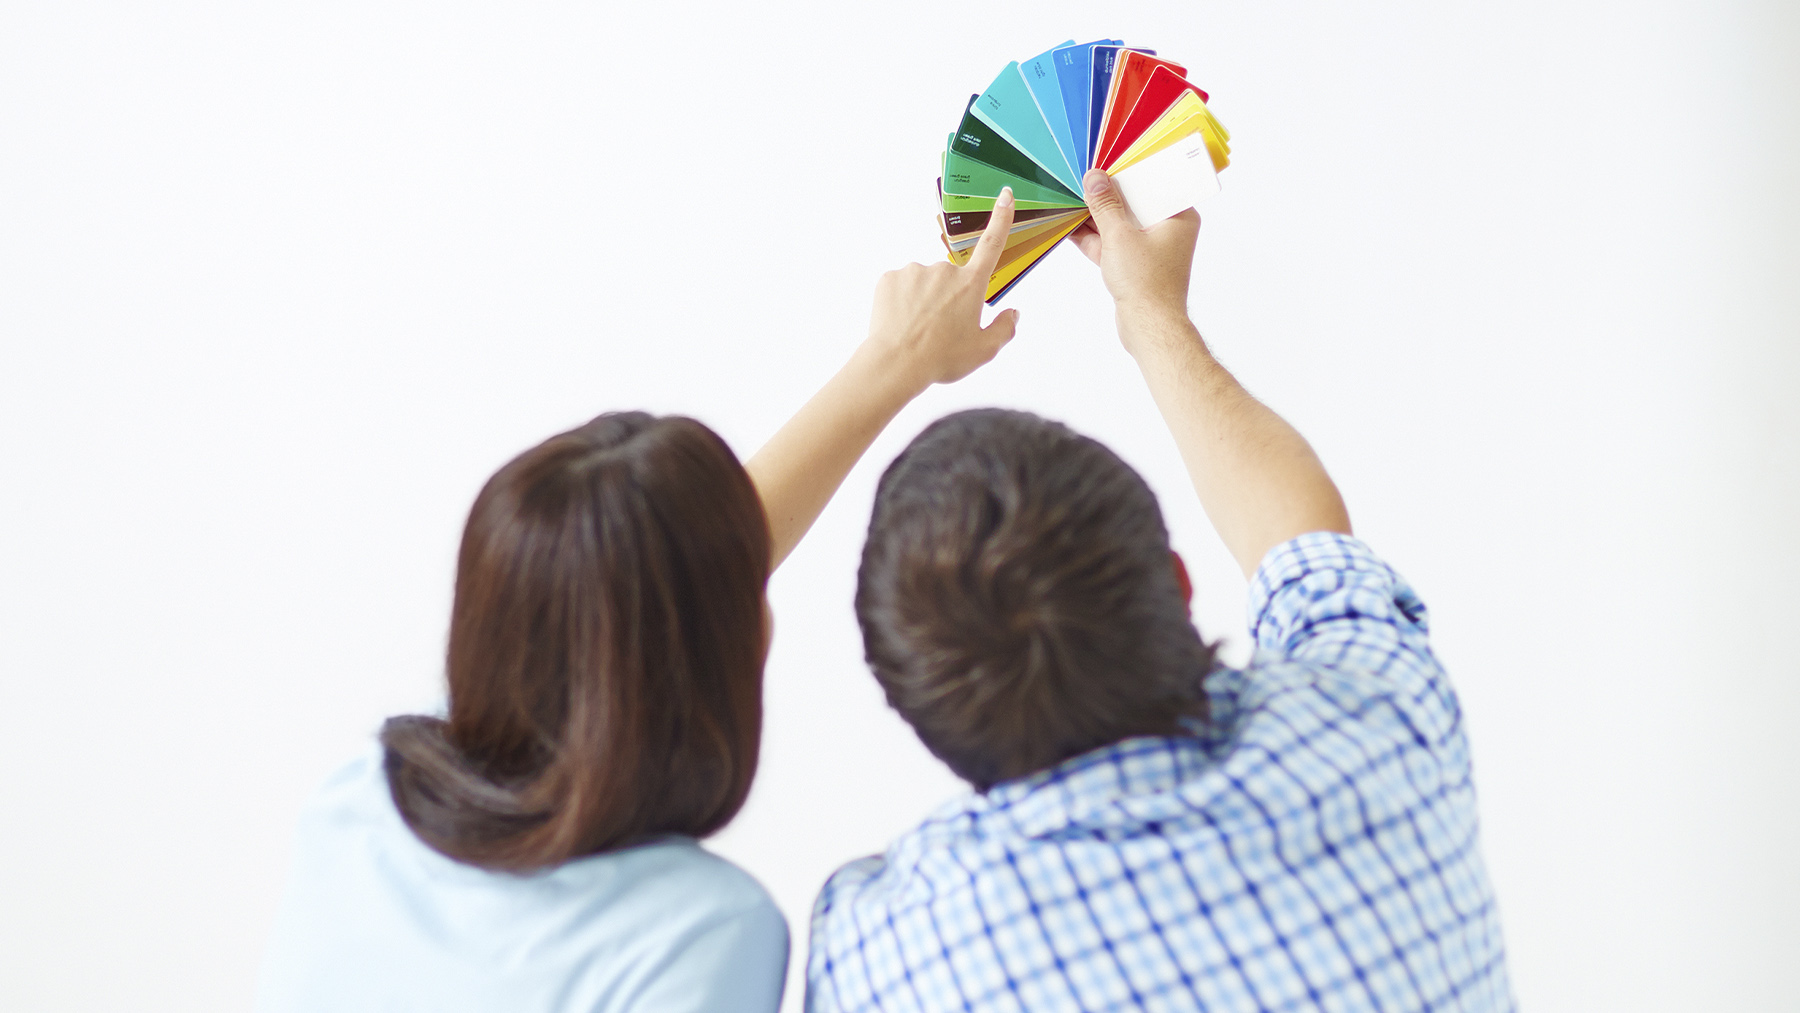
[{"x": 1181, "y": 579}]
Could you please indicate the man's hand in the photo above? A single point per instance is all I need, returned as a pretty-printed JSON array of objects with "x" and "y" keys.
[
  {"x": 928, "y": 319},
  {"x": 1146, "y": 270},
  {"x": 1260, "y": 482}
]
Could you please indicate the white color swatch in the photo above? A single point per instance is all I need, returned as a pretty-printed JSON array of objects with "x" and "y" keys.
[{"x": 1169, "y": 182}]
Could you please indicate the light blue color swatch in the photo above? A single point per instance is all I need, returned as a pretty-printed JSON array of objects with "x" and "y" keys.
[
  {"x": 1040, "y": 77},
  {"x": 1008, "y": 106},
  {"x": 1074, "y": 73}
]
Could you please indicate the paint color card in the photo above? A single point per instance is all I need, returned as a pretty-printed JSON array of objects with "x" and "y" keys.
[
  {"x": 961, "y": 225},
  {"x": 978, "y": 179},
  {"x": 1162, "y": 88},
  {"x": 1105, "y": 61},
  {"x": 1170, "y": 181},
  {"x": 1005, "y": 276},
  {"x": 1177, "y": 123},
  {"x": 1017, "y": 244},
  {"x": 975, "y": 139},
  {"x": 966, "y": 241},
  {"x": 1185, "y": 117},
  {"x": 997, "y": 296},
  {"x": 958, "y": 224},
  {"x": 1042, "y": 122},
  {"x": 960, "y": 242},
  {"x": 1003, "y": 279},
  {"x": 964, "y": 202},
  {"x": 1128, "y": 83},
  {"x": 1074, "y": 72},
  {"x": 1008, "y": 107},
  {"x": 1046, "y": 88}
]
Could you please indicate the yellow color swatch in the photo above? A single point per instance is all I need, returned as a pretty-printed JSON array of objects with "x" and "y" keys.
[{"x": 1187, "y": 116}]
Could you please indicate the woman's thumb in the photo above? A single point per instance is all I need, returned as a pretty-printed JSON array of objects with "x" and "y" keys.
[{"x": 1105, "y": 204}]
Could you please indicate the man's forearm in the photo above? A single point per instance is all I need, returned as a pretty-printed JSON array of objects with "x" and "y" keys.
[{"x": 1258, "y": 479}]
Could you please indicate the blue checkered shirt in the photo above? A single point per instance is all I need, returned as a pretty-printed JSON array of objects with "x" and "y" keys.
[{"x": 1313, "y": 846}]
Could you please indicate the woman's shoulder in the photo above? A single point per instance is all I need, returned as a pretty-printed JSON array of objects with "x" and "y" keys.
[
  {"x": 708, "y": 927},
  {"x": 672, "y": 874},
  {"x": 371, "y": 907},
  {"x": 675, "y": 872}
]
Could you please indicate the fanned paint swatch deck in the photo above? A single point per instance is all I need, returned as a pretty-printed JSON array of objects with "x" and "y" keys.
[{"x": 1044, "y": 122}]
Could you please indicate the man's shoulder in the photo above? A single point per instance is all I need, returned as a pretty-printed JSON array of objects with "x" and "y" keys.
[
  {"x": 1331, "y": 619},
  {"x": 891, "y": 870},
  {"x": 850, "y": 878},
  {"x": 1109, "y": 793}
]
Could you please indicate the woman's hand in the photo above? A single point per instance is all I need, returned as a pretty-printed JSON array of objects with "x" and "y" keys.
[
  {"x": 926, "y": 329},
  {"x": 927, "y": 320}
]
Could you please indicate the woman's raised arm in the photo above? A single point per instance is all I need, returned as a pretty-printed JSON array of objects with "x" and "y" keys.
[{"x": 925, "y": 329}]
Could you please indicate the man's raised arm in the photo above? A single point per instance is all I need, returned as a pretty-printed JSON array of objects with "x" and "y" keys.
[{"x": 1259, "y": 480}]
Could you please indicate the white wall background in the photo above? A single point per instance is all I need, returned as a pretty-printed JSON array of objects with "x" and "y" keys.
[{"x": 281, "y": 284}]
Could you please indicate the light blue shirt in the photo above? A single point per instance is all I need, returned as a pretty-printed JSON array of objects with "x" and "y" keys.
[{"x": 375, "y": 920}]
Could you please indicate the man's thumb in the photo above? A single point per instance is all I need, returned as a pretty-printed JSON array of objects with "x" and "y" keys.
[{"x": 1105, "y": 204}]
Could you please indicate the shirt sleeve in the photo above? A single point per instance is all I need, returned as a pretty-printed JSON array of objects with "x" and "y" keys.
[
  {"x": 828, "y": 914},
  {"x": 1327, "y": 600}
]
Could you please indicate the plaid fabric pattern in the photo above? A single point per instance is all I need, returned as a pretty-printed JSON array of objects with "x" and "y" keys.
[{"x": 1313, "y": 847}]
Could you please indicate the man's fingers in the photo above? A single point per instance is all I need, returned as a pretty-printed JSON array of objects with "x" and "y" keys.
[
  {"x": 993, "y": 239},
  {"x": 1087, "y": 239},
  {"x": 1176, "y": 232},
  {"x": 1188, "y": 220},
  {"x": 1105, "y": 203}
]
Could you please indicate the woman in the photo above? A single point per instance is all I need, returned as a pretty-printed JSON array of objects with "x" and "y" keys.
[{"x": 536, "y": 850}]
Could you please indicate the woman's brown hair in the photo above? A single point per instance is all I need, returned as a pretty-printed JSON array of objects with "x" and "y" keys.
[{"x": 606, "y": 652}]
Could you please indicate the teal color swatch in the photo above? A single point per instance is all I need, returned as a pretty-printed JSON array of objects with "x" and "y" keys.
[{"x": 1008, "y": 107}]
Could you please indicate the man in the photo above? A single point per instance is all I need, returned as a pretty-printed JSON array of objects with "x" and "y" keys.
[{"x": 1149, "y": 830}]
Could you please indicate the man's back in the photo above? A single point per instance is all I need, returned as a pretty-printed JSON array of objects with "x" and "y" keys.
[{"x": 1311, "y": 846}]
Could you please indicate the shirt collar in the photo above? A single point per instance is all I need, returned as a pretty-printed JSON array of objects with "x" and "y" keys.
[{"x": 1115, "y": 786}]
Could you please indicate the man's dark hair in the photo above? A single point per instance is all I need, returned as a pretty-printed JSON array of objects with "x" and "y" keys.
[{"x": 1018, "y": 601}]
